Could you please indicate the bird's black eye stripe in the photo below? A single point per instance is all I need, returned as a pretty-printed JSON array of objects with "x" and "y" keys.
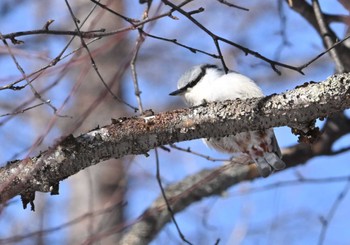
[
  {"x": 192, "y": 83},
  {"x": 206, "y": 66}
]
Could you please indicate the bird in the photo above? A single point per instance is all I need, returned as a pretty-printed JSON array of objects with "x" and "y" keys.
[{"x": 208, "y": 83}]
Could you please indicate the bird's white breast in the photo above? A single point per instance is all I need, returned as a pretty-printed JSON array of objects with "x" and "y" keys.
[{"x": 216, "y": 86}]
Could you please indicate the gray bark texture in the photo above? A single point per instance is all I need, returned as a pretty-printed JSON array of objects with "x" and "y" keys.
[{"x": 137, "y": 135}]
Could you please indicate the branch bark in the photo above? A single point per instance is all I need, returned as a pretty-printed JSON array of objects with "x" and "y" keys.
[{"x": 137, "y": 135}]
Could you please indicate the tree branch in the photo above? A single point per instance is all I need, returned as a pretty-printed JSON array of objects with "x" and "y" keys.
[{"x": 137, "y": 135}]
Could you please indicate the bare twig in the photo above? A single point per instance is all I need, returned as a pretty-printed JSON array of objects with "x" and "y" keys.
[
  {"x": 325, "y": 221},
  {"x": 232, "y": 5},
  {"x": 137, "y": 92},
  {"x": 65, "y": 69},
  {"x": 209, "y": 158},
  {"x": 22, "y": 110},
  {"x": 193, "y": 50},
  {"x": 130, "y": 20},
  {"x": 183, "y": 238},
  {"x": 323, "y": 53},
  {"x": 57, "y": 59},
  {"x": 93, "y": 63},
  {"x": 282, "y": 31},
  {"x": 20, "y": 69},
  {"x": 216, "y": 38},
  {"x": 82, "y": 218},
  {"x": 86, "y": 34},
  {"x": 288, "y": 183},
  {"x": 139, "y": 42}
]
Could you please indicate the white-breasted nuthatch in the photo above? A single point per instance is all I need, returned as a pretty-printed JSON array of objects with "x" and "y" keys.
[{"x": 208, "y": 83}]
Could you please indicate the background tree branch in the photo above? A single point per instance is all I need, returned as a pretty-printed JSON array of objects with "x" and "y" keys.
[{"x": 328, "y": 36}]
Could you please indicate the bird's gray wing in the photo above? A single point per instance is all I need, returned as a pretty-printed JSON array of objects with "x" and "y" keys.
[{"x": 275, "y": 145}]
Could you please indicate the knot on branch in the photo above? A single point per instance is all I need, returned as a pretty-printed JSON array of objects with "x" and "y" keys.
[
  {"x": 307, "y": 133},
  {"x": 28, "y": 197}
]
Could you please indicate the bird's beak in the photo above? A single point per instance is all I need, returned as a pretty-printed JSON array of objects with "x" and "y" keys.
[{"x": 178, "y": 92}]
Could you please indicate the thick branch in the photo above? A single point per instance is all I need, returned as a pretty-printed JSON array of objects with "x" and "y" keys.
[{"x": 138, "y": 135}]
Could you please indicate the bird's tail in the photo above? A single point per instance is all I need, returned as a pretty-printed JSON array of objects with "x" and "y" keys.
[{"x": 268, "y": 163}]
